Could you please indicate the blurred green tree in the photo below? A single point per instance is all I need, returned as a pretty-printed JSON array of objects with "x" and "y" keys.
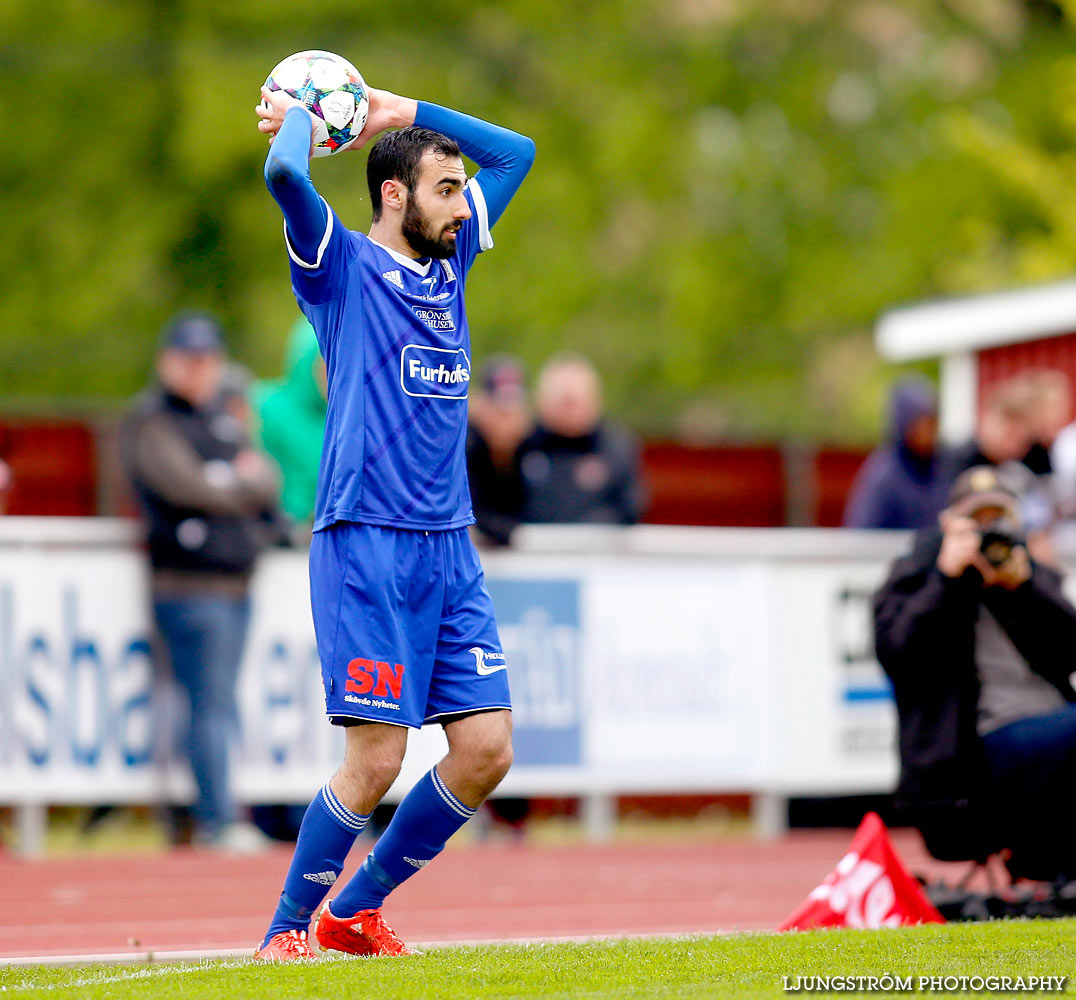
[{"x": 726, "y": 194}]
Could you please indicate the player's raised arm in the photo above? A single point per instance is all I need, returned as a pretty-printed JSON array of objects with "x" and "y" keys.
[
  {"x": 290, "y": 128},
  {"x": 504, "y": 156},
  {"x": 287, "y": 171}
]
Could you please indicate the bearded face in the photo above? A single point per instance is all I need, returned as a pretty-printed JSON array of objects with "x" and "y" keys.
[{"x": 425, "y": 236}]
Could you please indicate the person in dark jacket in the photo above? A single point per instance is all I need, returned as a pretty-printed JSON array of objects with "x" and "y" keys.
[
  {"x": 577, "y": 467},
  {"x": 902, "y": 483},
  {"x": 204, "y": 493},
  {"x": 979, "y": 643},
  {"x": 498, "y": 420}
]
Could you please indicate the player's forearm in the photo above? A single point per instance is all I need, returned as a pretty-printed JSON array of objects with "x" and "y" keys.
[
  {"x": 489, "y": 145},
  {"x": 389, "y": 110},
  {"x": 504, "y": 156},
  {"x": 287, "y": 175}
]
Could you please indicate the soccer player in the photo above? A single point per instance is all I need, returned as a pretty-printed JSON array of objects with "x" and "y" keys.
[{"x": 404, "y": 625}]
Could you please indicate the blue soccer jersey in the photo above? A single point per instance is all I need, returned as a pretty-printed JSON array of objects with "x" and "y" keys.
[{"x": 393, "y": 332}]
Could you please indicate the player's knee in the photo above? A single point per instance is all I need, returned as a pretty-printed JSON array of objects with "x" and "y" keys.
[
  {"x": 503, "y": 761},
  {"x": 381, "y": 770},
  {"x": 365, "y": 777},
  {"x": 491, "y": 759}
]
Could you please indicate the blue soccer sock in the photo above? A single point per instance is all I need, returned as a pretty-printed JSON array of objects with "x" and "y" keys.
[
  {"x": 427, "y": 817},
  {"x": 328, "y": 830}
]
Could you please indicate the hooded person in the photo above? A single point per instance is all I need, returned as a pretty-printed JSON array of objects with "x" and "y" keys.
[
  {"x": 902, "y": 484},
  {"x": 291, "y": 413}
]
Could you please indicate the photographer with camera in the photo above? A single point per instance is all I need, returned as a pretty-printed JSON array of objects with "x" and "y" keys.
[{"x": 979, "y": 643}]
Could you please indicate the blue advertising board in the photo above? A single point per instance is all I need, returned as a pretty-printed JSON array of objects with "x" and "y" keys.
[{"x": 539, "y": 622}]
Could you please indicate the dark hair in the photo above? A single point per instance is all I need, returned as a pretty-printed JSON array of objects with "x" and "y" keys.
[{"x": 396, "y": 156}]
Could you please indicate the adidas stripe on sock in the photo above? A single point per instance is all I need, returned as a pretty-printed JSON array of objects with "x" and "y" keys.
[
  {"x": 427, "y": 817},
  {"x": 328, "y": 830}
]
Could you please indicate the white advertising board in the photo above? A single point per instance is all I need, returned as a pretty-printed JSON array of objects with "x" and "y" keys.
[{"x": 655, "y": 661}]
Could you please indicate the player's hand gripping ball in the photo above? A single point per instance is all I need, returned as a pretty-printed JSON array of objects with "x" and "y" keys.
[{"x": 330, "y": 87}]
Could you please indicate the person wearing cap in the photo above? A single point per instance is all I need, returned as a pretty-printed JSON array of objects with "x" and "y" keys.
[
  {"x": 205, "y": 494},
  {"x": 979, "y": 643}
]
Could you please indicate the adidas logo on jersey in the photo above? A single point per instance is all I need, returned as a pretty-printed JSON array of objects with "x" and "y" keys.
[
  {"x": 322, "y": 878},
  {"x": 417, "y": 864},
  {"x": 394, "y": 277}
]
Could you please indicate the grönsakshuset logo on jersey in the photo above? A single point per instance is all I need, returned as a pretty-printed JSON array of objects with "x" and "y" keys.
[
  {"x": 435, "y": 372},
  {"x": 437, "y": 318}
]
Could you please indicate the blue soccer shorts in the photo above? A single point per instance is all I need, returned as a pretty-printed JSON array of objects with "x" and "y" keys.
[{"x": 404, "y": 625}]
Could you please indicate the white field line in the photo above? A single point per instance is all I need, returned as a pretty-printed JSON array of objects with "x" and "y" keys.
[
  {"x": 134, "y": 957},
  {"x": 163, "y": 962},
  {"x": 149, "y": 972}
]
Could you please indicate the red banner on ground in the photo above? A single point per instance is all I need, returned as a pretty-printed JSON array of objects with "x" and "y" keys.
[{"x": 870, "y": 887}]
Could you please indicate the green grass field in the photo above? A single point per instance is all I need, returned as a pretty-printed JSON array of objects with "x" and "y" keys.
[{"x": 746, "y": 965}]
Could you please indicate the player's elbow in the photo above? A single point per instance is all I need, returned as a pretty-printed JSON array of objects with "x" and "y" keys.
[
  {"x": 526, "y": 152},
  {"x": 279, "y": 173}
]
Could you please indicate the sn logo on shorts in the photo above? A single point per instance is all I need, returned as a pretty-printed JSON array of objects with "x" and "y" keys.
[{"x": 376, "y": 679}]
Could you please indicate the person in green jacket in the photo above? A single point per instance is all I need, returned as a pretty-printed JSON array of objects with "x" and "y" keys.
[{"x": 291, "y": 412}]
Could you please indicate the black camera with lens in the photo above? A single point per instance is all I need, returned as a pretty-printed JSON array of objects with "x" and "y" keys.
[{"x": 1000, "y": 537}]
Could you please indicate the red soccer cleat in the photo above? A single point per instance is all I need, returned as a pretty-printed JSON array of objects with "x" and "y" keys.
[
  {"x": 287, "y": 946},
  {"x": 366, "y": 933}
]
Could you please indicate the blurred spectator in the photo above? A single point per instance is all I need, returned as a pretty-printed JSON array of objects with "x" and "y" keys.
[
  {"x": 1005, "y": 439},
  {"x": 1048, "y": 406},
  {"x": 902, "y": 483},
  {"x": 1004, "y": 433},
  {"x": 576, "y": 466},
  {"x": 978, "y": 639},
  {"x": 1063, "y": 465},
  {"x": 499, "y": 419},
  {"x": 204, "y": 492},
  {"x": 1049, "y": 409},
  {"x": 291, "y": 413}
]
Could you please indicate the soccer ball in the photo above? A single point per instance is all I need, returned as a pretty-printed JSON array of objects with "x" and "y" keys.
[{"x": 330, "y": 87}]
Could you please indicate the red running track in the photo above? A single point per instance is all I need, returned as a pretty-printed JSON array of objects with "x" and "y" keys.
[{"x": 189, "y": 900}]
